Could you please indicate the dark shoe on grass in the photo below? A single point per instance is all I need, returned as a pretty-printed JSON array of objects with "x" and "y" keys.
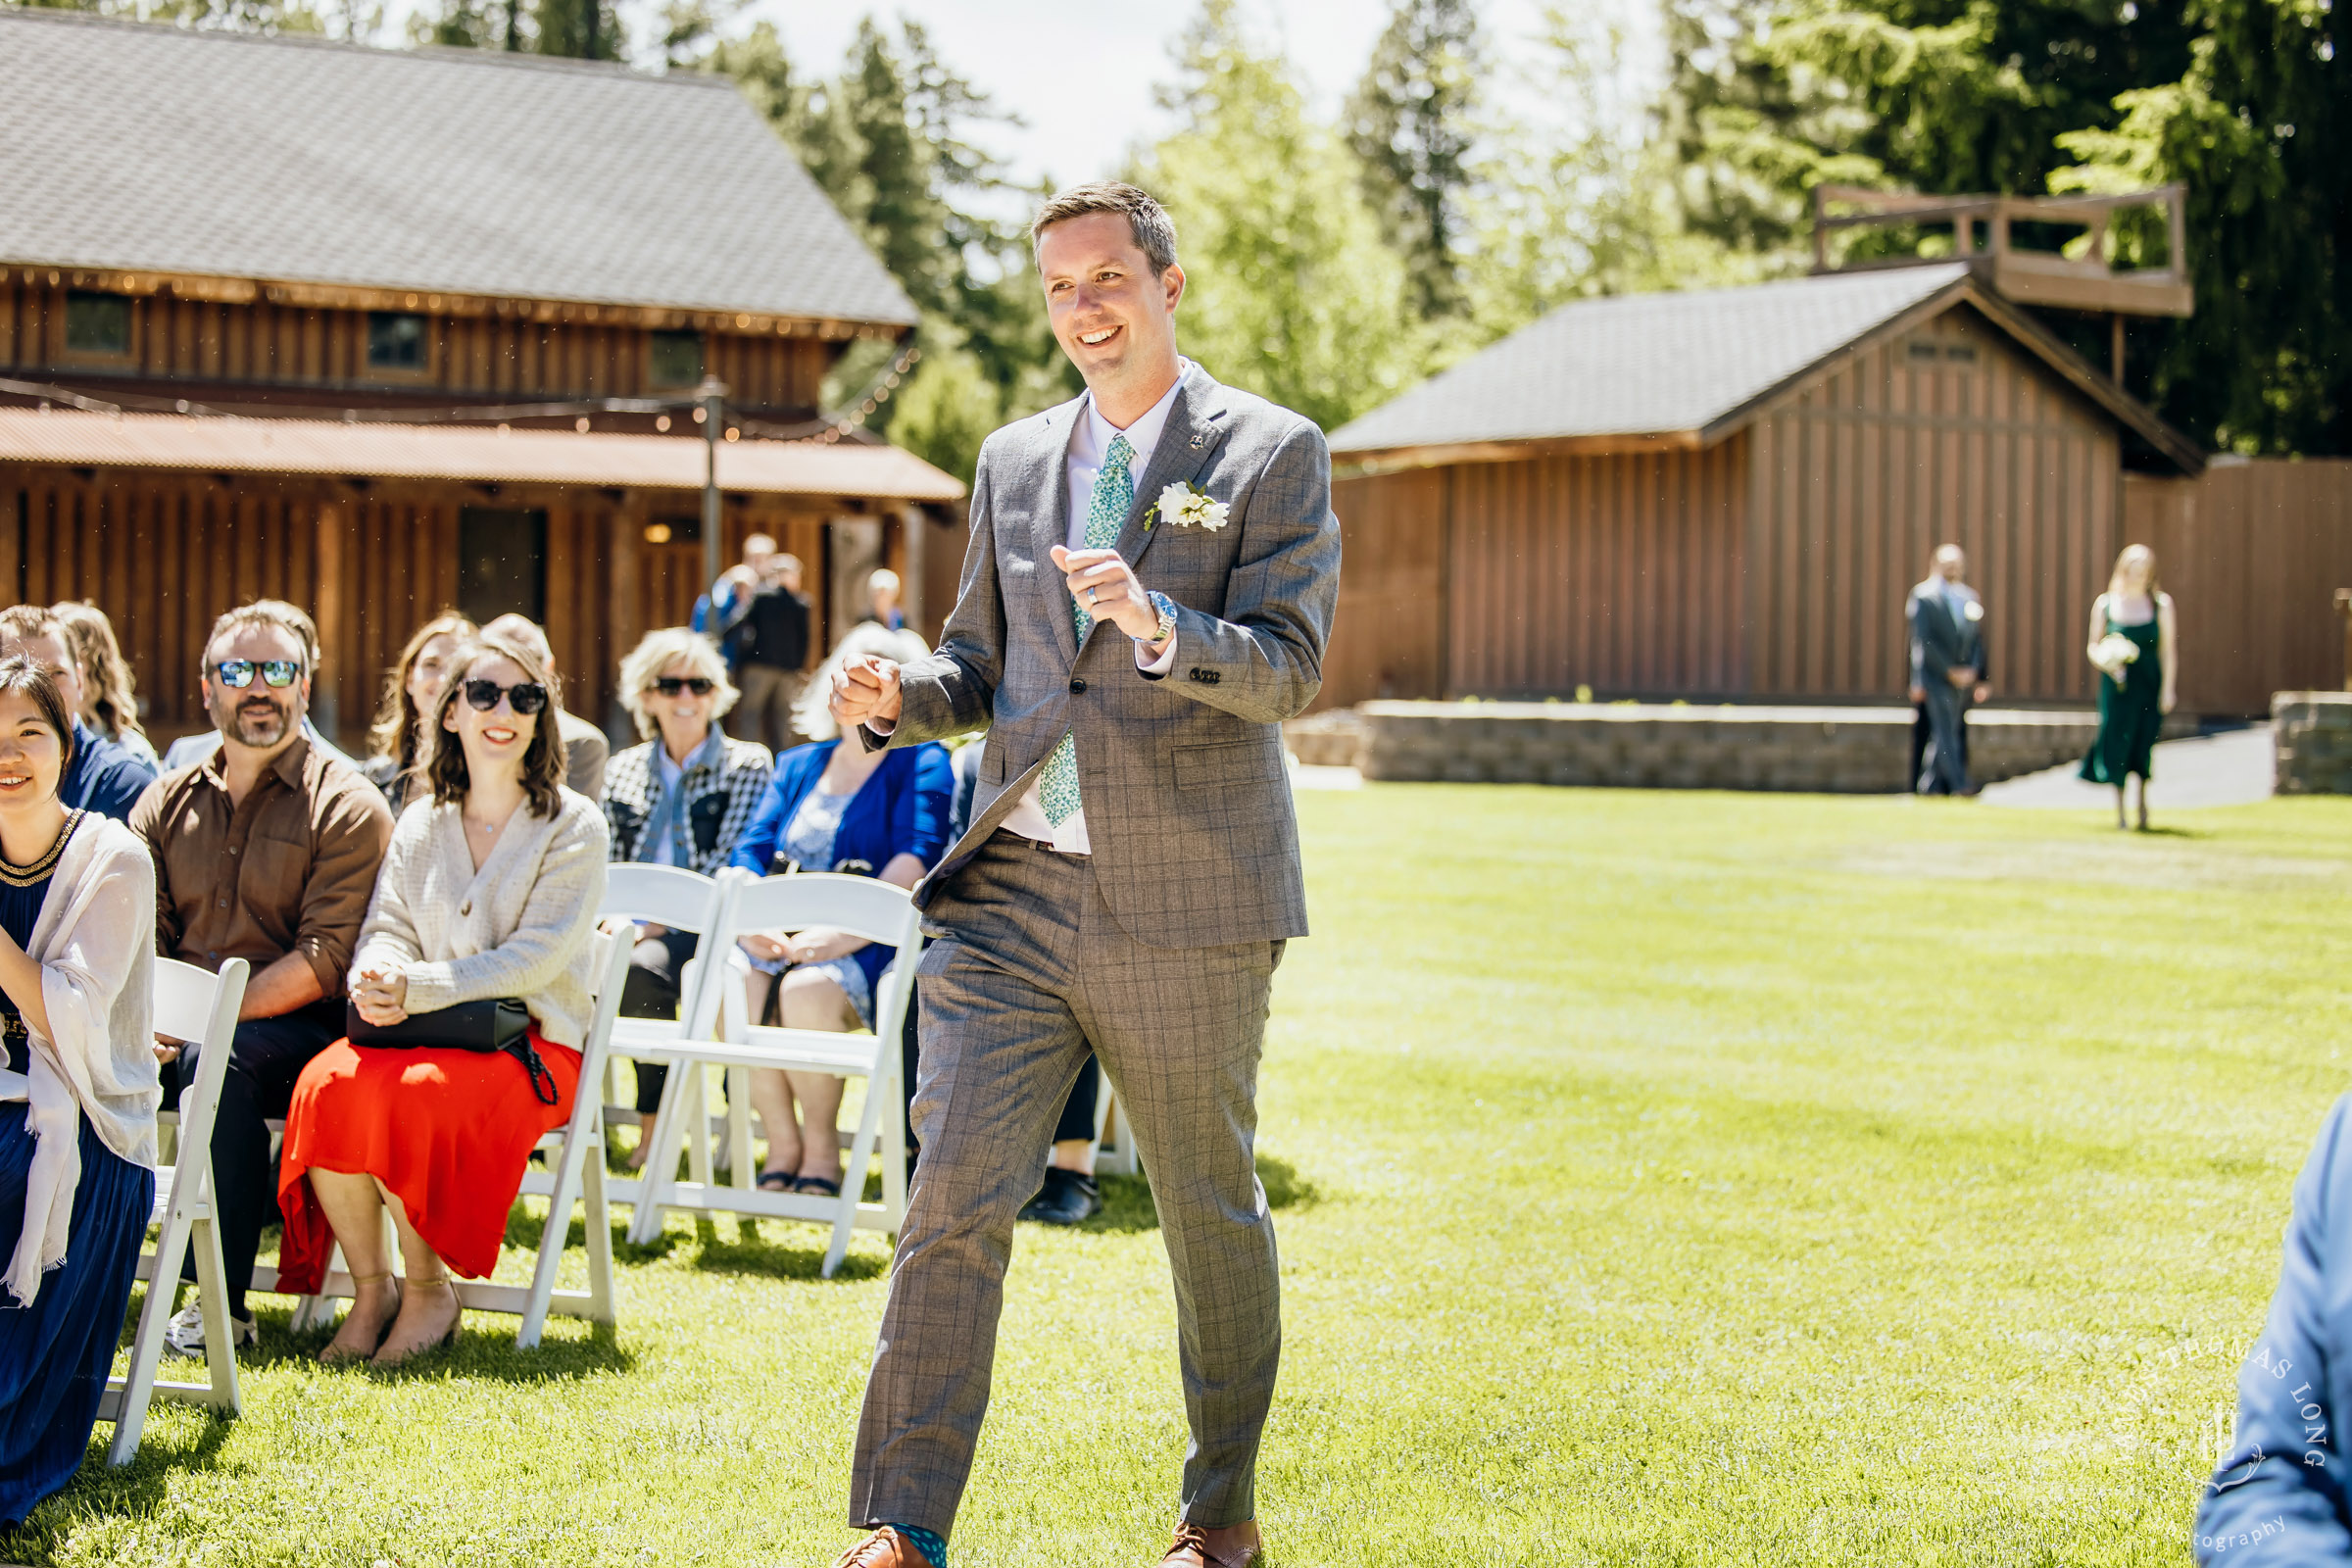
[{"x": 1068, "y": 1197}]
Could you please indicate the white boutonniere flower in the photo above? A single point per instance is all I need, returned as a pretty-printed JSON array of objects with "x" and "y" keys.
[
  {"x": 1973, "y": 611},
  {"x": 1186, "y": 507}
]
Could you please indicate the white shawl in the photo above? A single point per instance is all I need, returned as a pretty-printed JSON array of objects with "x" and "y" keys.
[{"x": 95, "y": 944}]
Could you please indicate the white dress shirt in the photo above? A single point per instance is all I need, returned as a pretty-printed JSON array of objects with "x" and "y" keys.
[{"x": 1088, "y": 441}]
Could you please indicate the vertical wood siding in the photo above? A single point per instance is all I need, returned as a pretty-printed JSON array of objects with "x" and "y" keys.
[
  {"x": 2252, "y": 555},
  {"x": 1388, "y": 639},
  {"x": 163, "y": 554},
  {"x": 473, "y": 356},
  {"x": 1948, "y": 435},
  {"x": 1622, "y": 573}
]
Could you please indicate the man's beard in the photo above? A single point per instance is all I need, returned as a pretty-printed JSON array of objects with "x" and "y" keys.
[{"x": 249, "y": 724}]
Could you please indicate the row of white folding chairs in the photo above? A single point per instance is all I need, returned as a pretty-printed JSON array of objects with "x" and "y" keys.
[{"x": 716, "y": 1030}]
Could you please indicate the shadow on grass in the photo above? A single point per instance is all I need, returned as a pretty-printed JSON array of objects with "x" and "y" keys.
[
  {"x": 798, "y": 1254},
  {"x": 485, "y": 1349},
  {"x": 1128, "y": 1208},
  {"x": 99, "y": 1490}
]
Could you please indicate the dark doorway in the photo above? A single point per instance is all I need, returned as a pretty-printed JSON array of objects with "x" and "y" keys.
[{"x": 501, "y": 564}]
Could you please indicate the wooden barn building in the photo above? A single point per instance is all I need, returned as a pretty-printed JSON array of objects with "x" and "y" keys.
[
  {"x": 379, "y": 331},
  {"x": 1725, "y": 495}
]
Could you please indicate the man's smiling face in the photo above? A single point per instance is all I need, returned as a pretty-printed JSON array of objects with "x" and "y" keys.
[{"x": 1111, "y": 313}]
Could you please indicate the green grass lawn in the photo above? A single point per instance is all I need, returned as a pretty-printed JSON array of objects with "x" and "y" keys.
[{"x": 1664, "y": 1178}]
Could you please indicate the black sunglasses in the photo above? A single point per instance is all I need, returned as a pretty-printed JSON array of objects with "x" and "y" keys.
[
  {"x": 525, "y": 697},
  {"x": 672, "y": 685},
  {"x": 237, "y": 673}
]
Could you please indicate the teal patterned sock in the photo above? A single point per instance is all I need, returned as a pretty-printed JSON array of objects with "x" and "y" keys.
[{"x": 933, "y": 1547}]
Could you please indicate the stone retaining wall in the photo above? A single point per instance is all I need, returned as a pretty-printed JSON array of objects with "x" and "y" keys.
[
  {"x": 2313, "y": 736},
  {"x": 1671, "y": 746}
]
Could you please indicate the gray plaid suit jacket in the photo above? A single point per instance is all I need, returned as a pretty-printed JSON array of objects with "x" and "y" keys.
[{"x": 1188, "y": 803}]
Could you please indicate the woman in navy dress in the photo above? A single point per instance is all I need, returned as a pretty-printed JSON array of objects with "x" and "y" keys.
[
  {"x": 835, "y": 807},
  {"x": 78, "y": 1103}
]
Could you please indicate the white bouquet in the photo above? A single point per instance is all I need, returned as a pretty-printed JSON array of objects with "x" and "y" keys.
[{"x": 2114, "y": 652}]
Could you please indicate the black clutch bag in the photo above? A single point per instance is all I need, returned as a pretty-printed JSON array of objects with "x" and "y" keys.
[{"x": 493, "y": 1024}]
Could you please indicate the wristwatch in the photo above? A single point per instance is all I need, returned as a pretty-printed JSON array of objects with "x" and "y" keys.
[{"x": 1168, "y": 619}]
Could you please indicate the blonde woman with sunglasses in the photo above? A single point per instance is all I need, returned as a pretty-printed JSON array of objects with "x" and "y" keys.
[{"x": 489, "y": 891}]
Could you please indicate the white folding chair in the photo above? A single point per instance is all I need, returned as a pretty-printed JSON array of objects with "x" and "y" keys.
[
  {"x": 683, "y": 901},
  {"x": 573, "y": 1174},
  {"x": 201, "y": 1008},
  {"x": 862, "y": 907},
  {"x": 1115, "y": 1138}
]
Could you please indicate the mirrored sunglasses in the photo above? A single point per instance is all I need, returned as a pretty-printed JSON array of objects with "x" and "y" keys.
[
  {"x": 672, "y": 685},
  {"x": 525, "y": 697},
  {"x": 238, "y": 673}
]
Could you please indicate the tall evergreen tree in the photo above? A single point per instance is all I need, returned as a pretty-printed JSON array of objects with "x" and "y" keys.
[
  {"x": 2256, "y": 127},
  {"x": 1292, "y": 293},
  {"x": 1408, "y": 125}
]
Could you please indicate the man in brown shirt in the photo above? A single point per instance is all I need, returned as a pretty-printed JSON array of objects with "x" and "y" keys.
[{"x": 266, "y": 850}]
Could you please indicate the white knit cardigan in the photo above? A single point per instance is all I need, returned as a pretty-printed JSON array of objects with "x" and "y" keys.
[
  {"x": 518, "y": 927},
  {"x": 94, "y": 940}
]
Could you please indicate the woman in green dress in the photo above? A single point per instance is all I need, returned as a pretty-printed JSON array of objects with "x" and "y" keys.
[{"x": 2138, "y": 654}]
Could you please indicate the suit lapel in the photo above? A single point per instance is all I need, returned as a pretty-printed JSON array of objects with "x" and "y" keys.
[
  {"x": 1048, "y": 478},
  {"x": 1196, "y": 423}
]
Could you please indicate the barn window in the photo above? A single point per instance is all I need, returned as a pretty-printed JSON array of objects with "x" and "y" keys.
[
  {"x": 98, "y": 324},
  {"x": 1926, "y": 353},
  {"x": 1960, "y": 353},
  {"x": 677, "y": 359},
  {"x": 395, "y": 340}
]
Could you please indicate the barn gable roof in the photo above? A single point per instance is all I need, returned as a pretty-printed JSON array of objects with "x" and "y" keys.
[
  {"x": 149, "y": 148},
  {"x": 1691, "y": 368}
]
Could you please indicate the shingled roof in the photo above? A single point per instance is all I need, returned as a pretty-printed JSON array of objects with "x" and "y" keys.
[
  {"x": 1689, "y": 368},
  {"x": 148, "y": 148}
]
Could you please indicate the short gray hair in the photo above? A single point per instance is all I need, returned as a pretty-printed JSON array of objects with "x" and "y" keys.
[
  {"x": 1153, "y": 230},
  {"x": 656, "y": 653}
]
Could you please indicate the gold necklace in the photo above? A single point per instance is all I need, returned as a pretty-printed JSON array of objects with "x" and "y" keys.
[{"x": 24, "y": 876}]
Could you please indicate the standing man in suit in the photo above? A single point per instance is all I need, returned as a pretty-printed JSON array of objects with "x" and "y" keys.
[
  {"x": 1947, "y": 669},
  {"x": 1147, "y": 596}
]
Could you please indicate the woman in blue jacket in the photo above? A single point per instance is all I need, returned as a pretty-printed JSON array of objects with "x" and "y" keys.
[{"x": 834, "y": 806}]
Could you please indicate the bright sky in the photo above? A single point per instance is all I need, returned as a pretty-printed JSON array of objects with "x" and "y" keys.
[{"x": 1082, "y": 77}]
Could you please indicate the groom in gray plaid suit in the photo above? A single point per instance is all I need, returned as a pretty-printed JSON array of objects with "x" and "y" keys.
[{"x": 1146, "y": 597}]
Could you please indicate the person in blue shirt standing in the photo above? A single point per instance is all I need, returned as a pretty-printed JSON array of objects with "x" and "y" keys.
[
  {"x": 835, "y": 807},
  {"x": 104, "y": 776},
  {"x": 713, "y": 609}
]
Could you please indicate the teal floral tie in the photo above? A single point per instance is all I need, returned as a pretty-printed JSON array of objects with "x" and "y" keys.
[{"x": 1105, "y": 514}]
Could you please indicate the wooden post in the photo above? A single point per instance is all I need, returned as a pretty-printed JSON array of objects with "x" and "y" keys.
[
  {"x": 2343, "y": 608},
  {"x": 913, "y": 525},
  {"x": 327, "y": 608},
  {"x": 2116, "y": 350}
]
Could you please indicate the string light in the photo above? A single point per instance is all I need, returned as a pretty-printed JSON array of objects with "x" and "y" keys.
[{"x": 825, "y": 432}]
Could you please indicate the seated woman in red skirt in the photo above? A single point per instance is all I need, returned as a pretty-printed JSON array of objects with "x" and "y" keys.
[{"x": 490, "y": 889}]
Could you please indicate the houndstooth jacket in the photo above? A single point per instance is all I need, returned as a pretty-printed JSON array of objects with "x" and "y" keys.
[{"x": 720, "y": 802}]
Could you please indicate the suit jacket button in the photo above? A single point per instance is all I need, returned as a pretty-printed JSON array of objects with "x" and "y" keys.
[{"x": 1077, "y": 686}]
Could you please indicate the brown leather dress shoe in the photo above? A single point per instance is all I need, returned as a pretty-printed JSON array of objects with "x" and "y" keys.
[
  {"x": 1226, "y": 1546},
  {"x": 884, "y": 1549}
]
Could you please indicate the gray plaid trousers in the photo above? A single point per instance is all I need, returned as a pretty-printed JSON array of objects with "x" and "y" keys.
[{"x": 1028, "y": 966}]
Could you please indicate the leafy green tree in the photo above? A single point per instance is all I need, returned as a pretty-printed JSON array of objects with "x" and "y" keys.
[
  {"x": 2256, "y": 127},
  {"x": 1291, "y": 292},
  {"x": 1767, "y": 100},
  {"x": 1409, "y": 123},
  {"x": 1578, "y": 201}
]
